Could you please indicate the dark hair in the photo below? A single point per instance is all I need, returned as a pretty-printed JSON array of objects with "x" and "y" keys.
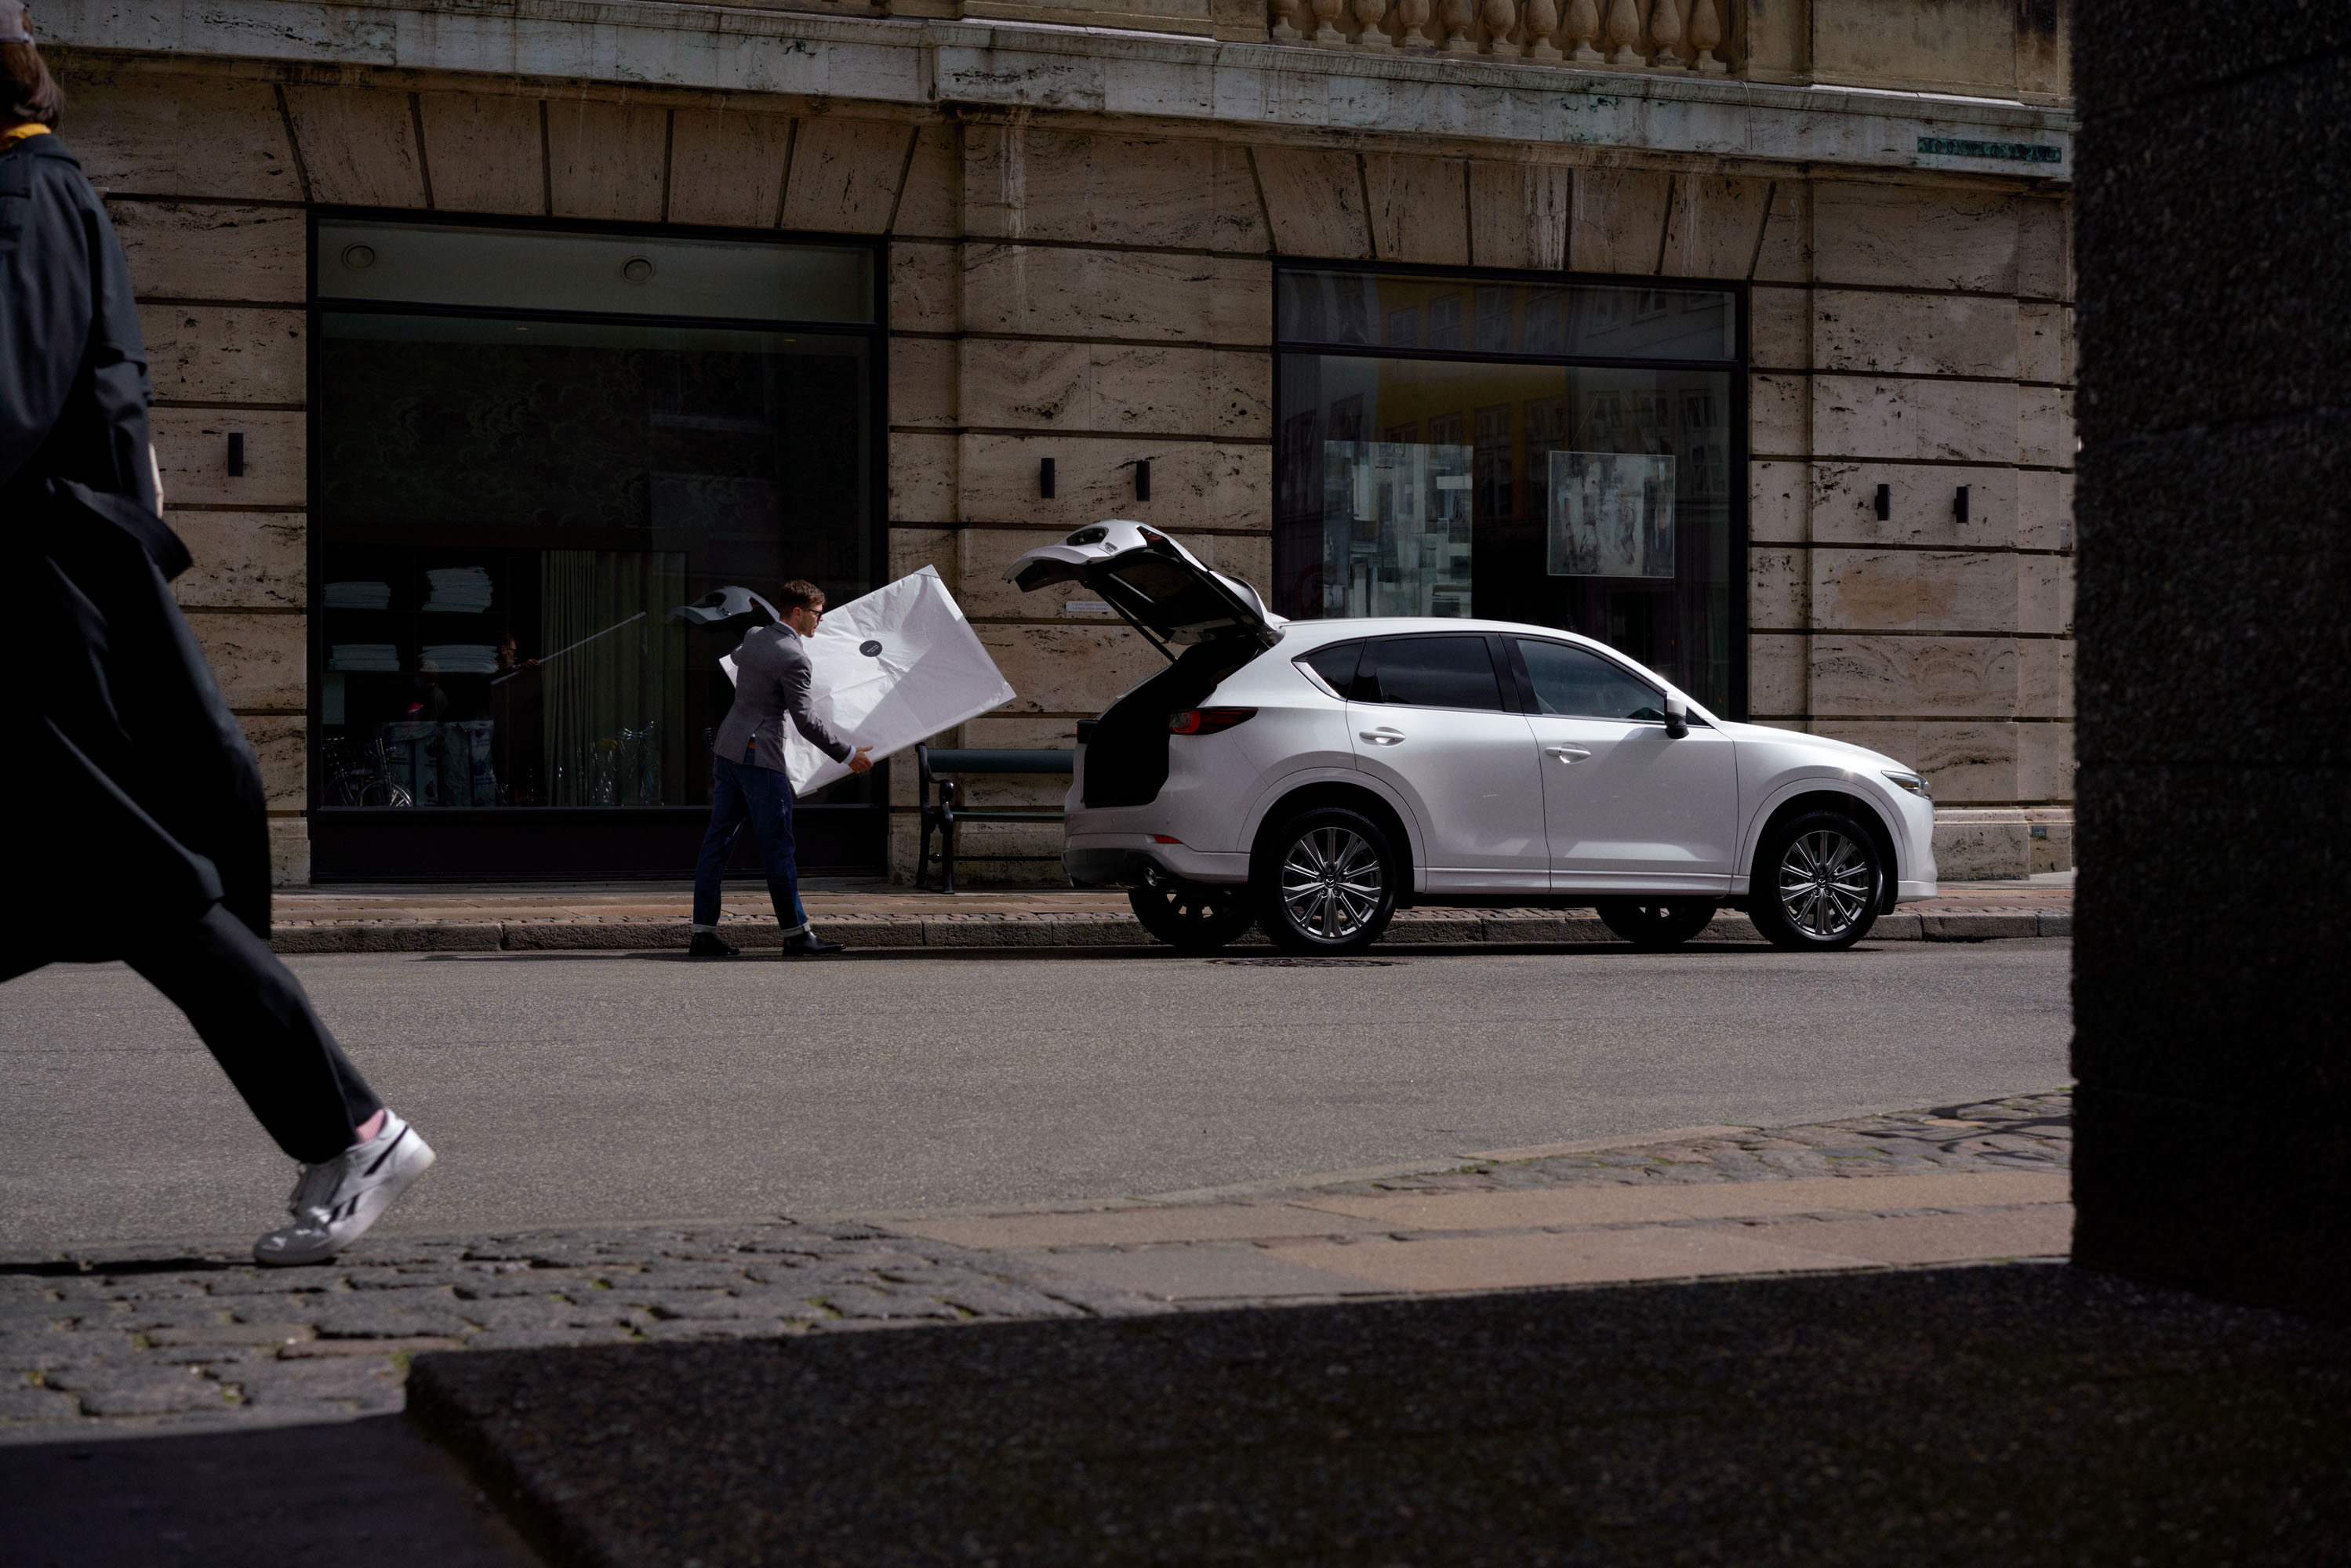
[
  {"x": 799, "y": 594},
  {"x": 32, "y": 93}
]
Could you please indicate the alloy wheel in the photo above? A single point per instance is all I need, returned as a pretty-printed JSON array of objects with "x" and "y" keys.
[
  {"x": 1333, "y": 882},
  {"x": 1826, "y": 884}
]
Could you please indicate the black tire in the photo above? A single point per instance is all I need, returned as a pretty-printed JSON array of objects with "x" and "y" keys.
[
  {"x": 1655, "y": 924},
  {"x": 1193, "y": 916},
  {"x": 1818, "y": 882},
  {"x": 1325, "y": 881}
]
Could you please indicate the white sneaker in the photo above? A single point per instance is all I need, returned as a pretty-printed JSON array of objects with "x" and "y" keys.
[{"x": 334, "y": 1203}]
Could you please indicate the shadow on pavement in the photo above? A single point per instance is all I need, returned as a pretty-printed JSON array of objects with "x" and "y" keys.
[
  {"x": 280, "y": 1497},
  {"x": 2018, "y": 1413}
]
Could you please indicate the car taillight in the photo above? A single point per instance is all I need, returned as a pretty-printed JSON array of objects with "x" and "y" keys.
[{"x": 1208, "y": 720}]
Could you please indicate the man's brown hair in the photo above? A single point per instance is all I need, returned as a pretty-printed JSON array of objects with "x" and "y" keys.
[
  {"x": 799, "y": 593},
  {"x": 28, "y": 90}
]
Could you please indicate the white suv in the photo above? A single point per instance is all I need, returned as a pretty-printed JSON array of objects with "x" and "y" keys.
[{"x": 1310, "y": 775}]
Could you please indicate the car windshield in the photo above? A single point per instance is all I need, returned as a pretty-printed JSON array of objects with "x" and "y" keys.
[{"x": 1578, "y": 684}]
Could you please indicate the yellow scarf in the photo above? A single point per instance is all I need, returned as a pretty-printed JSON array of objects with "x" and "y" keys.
[{"x": 16, "y": 133}]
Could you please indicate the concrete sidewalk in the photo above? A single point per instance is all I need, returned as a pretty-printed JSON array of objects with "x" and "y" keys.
[
  {"x": 877, "y": 915},
  {"x": 1970, "y": 1183}
]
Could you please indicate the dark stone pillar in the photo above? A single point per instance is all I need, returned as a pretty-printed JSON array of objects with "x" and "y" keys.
[{"x": 2212, "y": 1041}]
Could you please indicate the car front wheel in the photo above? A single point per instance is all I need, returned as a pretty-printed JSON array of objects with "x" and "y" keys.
[
  {"x": 1818, "y": 882},
  {"x": 1325, "y": 881},
  {"x": 1655, "y": 924},
  {"x": 1190, "y": 917}
]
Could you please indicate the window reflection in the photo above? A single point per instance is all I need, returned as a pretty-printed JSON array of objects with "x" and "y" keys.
[
  {"x": 1576, "y": 684},
  {"x": 1594, "y": 498},
  {"x": 510, "y": 507}
]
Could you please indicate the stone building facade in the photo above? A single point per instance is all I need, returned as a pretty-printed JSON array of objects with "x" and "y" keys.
[{"x": 1077, "y": 221}]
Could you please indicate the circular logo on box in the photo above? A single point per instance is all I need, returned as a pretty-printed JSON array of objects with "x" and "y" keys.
[{"x": 870, "y": 648}]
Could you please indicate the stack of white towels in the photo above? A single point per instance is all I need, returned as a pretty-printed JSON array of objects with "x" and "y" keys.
[
  {"x": 457, "y": 590},
  {"x": 462, "y": 658}
]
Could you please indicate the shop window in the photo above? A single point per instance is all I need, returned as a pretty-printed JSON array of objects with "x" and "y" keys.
[
  {"x": 1560, "y": 458},
  {"x": 532, "y": 447}
]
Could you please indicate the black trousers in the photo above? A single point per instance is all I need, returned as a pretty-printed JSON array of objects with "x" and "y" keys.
[{"x": 258, "y": 1022}]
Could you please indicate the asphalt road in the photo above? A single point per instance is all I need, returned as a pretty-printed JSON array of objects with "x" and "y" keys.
[{"x": 578, "y": 1087}]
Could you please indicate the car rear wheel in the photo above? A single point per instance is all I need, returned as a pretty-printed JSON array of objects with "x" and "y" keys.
[
  {"x": 1192, "y": 916},
  {"x": 1325, "y": 881},
  {"x": 1653, "y": 924},
  {"x": 1817, "y": 884}
]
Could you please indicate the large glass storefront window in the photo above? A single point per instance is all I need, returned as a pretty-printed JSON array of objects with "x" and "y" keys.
[
  {"x": 533, "y": 447},
  {"x": 1554, "y": 453}
]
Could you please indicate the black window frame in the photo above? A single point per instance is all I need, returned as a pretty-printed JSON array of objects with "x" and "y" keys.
[
  {"x": 1736, "y": 455},
  {"x": 569, "y": 843}
]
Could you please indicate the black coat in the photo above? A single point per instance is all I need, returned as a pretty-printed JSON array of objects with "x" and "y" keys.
[{"x": 127, "y": 793}]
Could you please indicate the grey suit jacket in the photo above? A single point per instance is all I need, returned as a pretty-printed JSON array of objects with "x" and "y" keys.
[{"x": 772, "y": 678}]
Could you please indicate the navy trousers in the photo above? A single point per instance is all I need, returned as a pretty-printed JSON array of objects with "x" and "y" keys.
[{"x": 741, "y": 792}]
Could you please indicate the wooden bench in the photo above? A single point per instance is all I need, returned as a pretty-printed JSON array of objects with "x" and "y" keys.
[{"x": 941, "y": 810}]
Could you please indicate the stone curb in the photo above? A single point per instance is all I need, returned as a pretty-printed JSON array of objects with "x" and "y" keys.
[{"x": 1434, "y": 927}]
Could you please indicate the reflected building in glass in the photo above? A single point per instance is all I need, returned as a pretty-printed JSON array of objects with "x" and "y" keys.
[{"x": 1555, "y": 453}]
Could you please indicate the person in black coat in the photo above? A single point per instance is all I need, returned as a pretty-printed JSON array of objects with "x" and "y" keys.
[{"x": 135, "y": 799}]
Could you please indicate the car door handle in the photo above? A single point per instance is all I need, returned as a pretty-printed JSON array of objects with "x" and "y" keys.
[
  {"x": 1568, "y": 753},
  {"x": 1383, "y": 736}
]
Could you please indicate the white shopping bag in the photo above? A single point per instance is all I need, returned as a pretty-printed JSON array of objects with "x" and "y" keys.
[{"x": 894, "y": 667}]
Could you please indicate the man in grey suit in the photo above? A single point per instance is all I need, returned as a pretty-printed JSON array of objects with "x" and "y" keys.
[{"x": 772, "y": 680}]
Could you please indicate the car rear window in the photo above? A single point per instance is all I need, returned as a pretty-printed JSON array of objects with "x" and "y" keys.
[
  {"x": 1579, "y": 684},
  {"x": 1434, "y": 671},
  {"x": 1335, "y": 664}
]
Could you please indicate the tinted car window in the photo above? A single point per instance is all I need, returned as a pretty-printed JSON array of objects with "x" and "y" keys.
[
  {"x": 1335, "y": 664},
  {"x": 1569, "y": 680},
  {"x": 1435, "y": 672}
]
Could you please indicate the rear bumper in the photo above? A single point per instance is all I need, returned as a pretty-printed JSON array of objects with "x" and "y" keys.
[
  {"x": 1101, "y": 868},
  {"x": 1103, "y": 860}
]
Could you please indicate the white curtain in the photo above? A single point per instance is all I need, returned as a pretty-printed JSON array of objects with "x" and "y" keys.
[{"x": 613, "y": 677}]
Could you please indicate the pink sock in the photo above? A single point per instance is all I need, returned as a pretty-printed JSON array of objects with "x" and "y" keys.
[{"x": 366, "y": 1130}]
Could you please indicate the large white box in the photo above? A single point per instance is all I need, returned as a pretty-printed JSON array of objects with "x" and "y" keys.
[{"x": 892, "y": 668}]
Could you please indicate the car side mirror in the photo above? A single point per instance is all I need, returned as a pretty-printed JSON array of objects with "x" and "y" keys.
[{"x": 1677, "y": 716}]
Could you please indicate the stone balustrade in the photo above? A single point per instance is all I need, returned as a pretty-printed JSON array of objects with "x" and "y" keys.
[{"x": 1691, "y": 35}]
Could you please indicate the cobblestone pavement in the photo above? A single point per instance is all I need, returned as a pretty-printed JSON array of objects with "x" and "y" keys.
[
  {"x": 143, "y": 1340},
  {"x": 161, "y": 1341},
  {"x": 2026, "y": 1132}
]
